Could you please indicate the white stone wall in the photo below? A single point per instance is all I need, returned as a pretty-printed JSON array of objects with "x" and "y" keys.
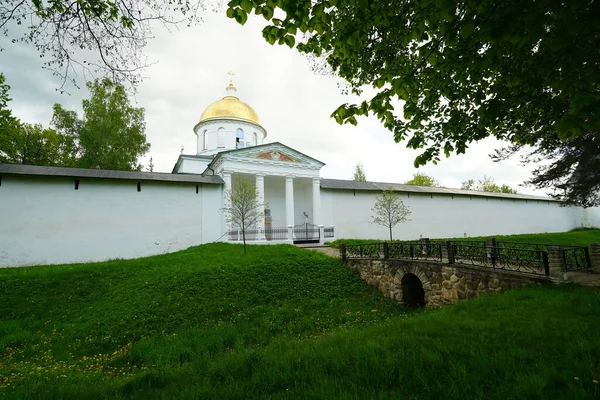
[
  {"x": 275, "y": 196},
  {"x": 46, "y": 221},
  {"x": 303, "y": 200},
  {"x": 589, "y": 218},
  {"x": 441, "y": 216},
  {"x": 193, "y": 165}
]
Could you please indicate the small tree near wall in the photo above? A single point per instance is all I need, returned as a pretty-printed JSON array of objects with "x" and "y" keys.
[
  {"x": 243, "y": 209},
  {"x": 389, "y": 210}
]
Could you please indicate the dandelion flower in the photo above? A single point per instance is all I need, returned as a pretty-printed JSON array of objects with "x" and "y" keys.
[{"x": 576, "y": 378}]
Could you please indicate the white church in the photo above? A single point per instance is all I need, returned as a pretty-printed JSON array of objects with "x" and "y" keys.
[{"x": 55, "y": 215}]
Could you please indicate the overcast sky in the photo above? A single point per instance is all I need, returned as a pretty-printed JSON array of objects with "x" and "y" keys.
[{"x": 293, "y": 103}]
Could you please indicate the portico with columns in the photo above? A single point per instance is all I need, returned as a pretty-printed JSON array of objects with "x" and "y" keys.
[{"x": 287, "y": 183}]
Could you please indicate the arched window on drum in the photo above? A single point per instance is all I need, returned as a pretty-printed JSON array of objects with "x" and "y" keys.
[
  {"x": 221, "y": 137},
  {"x": 205, "y": 140},
  {"x": 255, "y": 138},
  {"x": 239, "y": 138}
]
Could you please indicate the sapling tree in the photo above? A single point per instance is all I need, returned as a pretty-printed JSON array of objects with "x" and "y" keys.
[
  {"x": 243, "y": 209},
  {"x": 359, "y": 173},
  {"x": 389, "y": 210}
]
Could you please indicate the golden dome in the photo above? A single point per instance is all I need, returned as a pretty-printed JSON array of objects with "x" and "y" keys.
[{"x": 230, "y": 107}]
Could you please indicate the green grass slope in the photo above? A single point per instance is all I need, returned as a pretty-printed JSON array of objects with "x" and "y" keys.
[
  {"x": 579, "y": 237},
  {"x": 280, "y": 323}
]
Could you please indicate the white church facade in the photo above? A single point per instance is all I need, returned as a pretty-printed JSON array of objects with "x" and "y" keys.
[{"x": 53, "y": 215}]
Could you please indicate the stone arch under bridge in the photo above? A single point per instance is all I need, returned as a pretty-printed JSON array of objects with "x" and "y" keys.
[
  {"x": 442, "y": 283},
  {"x": 403, "y": 283}
]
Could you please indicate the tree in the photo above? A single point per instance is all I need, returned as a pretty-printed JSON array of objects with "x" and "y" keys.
[
  {"x": 243, "y": 209},
  {"x": 111, "y": 133},
  {"x": 389, "y": 210},
  {"x": 9, "y": 125},
  {"x": 359, "y": 173},
  {"x": 419, "y": 179},
  {"x": 32, "y": 144},
  {"x": 151, "y": 165},
  {"x": 115, "y": 31},
  {"x": 570, "y": 170},
  {"x": 487, "y": 185},
  {"x": 528, "y": 73}
]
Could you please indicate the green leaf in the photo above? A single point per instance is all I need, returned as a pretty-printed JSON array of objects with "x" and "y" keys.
[
  {"x": 247, "y": 6},
  {"x": 267, "y": 12},
  {"x": 241, "y": 17},
  {"x": 290, "y": 41}
]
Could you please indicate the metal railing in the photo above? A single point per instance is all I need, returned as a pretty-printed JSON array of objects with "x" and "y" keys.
[
  {"x": 276, "y": 233},
  {"x": 236, "y": 235},
  {"x": 576, "y": 258},
  {"x": 365, "y": 250},
  {"x": 476, "y": 253},
  {"x": 421, "y": 250},
  {"x": 528, "y": 261},
  {"x": 328, "y": 232},
  {"x": 523, "y": 245}
]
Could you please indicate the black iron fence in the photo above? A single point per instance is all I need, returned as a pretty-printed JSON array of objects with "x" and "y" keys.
[
  {"x": 525, "y": 258},
  {"x": 364, "y": 250},
  {"x": 276, "y": 233},
  {"x": 250, "y": 234},
  {"x": 529, "y": 261},
  {"x": 328, "y": 232},
  {"x": 576, "y": 258},
  {"x": 237, "y": 235},
  {"x": 417, "y": 250},
  {"x": 306, "y": 233}
]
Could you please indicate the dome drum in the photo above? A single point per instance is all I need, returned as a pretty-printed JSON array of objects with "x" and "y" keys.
[{"x": 228, "y": 124}]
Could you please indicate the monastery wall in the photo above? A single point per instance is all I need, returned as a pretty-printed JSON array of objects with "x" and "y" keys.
[
  {"x": 46, "y": 221},
  {"x": 589, "y": 218},
  {"x": 445, "y": 216}
]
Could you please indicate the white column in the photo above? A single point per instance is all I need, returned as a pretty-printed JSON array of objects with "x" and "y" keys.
[
  {"x": 226, "y": 193},
  {"x": 289, "y": 202},
  {"x": 227, "y": 188},
  {"x": 316, "y": 200},
  {"x": 260, "y": 192}
]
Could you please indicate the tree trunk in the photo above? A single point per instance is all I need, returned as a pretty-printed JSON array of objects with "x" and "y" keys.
[
  {"x": 244, "y": 237},
  {"x": 390, "y": 233}
]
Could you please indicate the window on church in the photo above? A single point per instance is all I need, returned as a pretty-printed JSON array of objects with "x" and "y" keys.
[
  {"x": 221, "y": 137},
  {"x": 239, "y": 138},
  {"x": 205, "y": 140},
  {"x": 255, "y": 138}
]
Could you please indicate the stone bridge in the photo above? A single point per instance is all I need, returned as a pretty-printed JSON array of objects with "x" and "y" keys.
[
  {"x": 419, "y": 283},
  {"x": 433, "y": 283}
]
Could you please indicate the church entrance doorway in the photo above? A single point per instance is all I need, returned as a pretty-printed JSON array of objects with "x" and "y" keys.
[
  {"x": 413, "y": 294},
  {"x": 306, "y": 233}
]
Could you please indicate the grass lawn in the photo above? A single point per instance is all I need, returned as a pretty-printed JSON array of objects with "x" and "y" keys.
[
  {"x": 281, "y": 323},
  {"x": 579, "y": 237}
]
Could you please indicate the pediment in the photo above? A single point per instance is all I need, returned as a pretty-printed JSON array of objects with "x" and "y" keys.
[{"x": 272, "y": 153}]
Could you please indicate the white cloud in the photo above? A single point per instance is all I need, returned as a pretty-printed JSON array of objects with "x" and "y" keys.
[{"x": 293, "y": 103}]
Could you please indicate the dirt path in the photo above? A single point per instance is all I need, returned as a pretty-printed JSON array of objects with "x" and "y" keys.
[{"x": 328, "y": 251}]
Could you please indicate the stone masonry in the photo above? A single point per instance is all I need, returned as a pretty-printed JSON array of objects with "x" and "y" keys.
[
  {"x": 595, "y": 256},
  {"x": 442, "y": 283}
]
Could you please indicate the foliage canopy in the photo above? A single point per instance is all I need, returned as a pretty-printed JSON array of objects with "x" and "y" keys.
[
  {"x": 525, "y": 72},
  {"x": 419, "y": 179},
  {"x": 359, "y": 173},
  {"x": 111, "y": 133},
  {"x": 243, "y": 209},
  {"x": 487, "y": 185}
]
